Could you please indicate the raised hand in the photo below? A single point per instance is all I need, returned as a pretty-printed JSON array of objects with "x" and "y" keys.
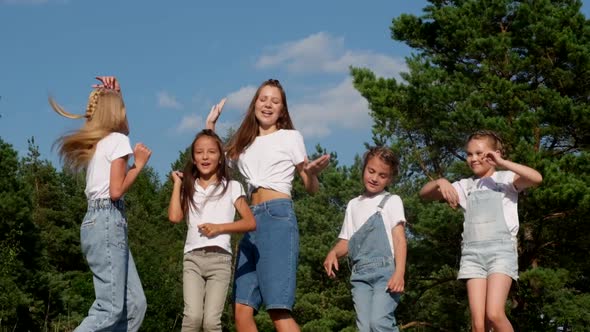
[
  {"x": 494, "y": 158},
  {"x": 176, "y": 176},
  {"x": 108, "y": 82},
  {"x": 214, "y": 114},
  {"x": 141, "y": 154},
  {"x": 317, "y": 166}
]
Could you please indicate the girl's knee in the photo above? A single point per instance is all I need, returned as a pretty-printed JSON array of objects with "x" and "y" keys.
[{"x": 496, "y": 315}]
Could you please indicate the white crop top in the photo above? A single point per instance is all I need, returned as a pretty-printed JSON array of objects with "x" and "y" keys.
[{"x": 269, "y": 162}]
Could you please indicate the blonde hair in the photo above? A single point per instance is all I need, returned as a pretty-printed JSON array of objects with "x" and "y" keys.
[
  {"x": 493, "y": 138},
  {"x": 105, "y": 114}
]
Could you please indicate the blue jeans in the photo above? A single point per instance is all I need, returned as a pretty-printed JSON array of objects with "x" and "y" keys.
[
  {"x": 120, "y": 303},
  {"x": 266, "y": 268},
  {"x": 373, "y": 303}
]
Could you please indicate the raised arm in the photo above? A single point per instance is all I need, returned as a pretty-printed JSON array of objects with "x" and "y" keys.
[
  {"x": 309, "y": 172},
  {"x": 121, "y": 179},
  {"x": 438, "y": 190},
  {"x": 175, "y": 213},
  {"x": 214, "y": 114},
  {"x": 525, "y": 176}
]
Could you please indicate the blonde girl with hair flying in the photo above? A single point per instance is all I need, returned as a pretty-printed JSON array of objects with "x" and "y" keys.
[
  {"x": 489, "y": 258},
  {"x": 205, "y": 196},
  {"x": 268, "y": 151},
  {"x": 102, "y": 148}
]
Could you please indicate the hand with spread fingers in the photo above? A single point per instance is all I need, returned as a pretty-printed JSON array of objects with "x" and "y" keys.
[
  {"x": 448, "y": 192},
  {"x": 214, "y": 114},
  {"x": 108, "y": 82},
  {"x": 317, "y": 166}
]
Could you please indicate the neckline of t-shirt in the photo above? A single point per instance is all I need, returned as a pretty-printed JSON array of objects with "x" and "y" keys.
[{"x": 271, "y": 134}]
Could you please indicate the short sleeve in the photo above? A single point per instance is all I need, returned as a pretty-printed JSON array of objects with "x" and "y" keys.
[
  {"x": 346, "y": 231},
  {"x": 297, "y": 152},
  {"x": 237, "y": 191},
  {"x": 121, "y": 146},
  {"x": 394, "y": 210},
  {"x": 506, "y": 181},
  {"x": 461, "y": 191}
]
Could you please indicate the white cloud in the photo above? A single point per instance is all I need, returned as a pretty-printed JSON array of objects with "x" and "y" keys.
[
  {"x": 240, "y": 99},
  {"x": 166, "y": 100},
  {"x": 322, "y": 52},
  {"x": 191, "y": 123},
  {"x": 340, "y": 107}
]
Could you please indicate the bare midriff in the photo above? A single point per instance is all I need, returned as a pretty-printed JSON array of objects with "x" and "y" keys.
[{"x": 261, "y": 195}]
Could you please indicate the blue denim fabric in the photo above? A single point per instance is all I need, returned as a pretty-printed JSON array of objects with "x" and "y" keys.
[
  {"x": 487, "y": 245},
  {"x": 266, "y": 267},
  {"x": 372, "y": 266},
  {"x": 120, "y": 303}
]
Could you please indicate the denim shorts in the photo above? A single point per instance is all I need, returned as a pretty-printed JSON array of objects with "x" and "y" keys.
[
  {"x": 266, "y": 266},
  {"x": 482, "y": 258}
]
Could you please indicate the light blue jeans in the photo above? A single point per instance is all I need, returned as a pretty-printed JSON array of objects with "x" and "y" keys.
[{"x": 120, "y": 303}]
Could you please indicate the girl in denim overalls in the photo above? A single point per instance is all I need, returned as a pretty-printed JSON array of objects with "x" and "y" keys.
[
  {"x": 268, "y": 152},
  {"x": 102, "y": 147},
  {"x": 488, "y": 252},
  {"x": 208, "y": 199},
  {"x": 373, "y": 237}
]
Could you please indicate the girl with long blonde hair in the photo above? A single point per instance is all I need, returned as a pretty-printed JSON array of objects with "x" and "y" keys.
[{"x": 102, "y": 148}]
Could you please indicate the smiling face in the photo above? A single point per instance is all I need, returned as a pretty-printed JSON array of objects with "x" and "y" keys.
[
  {"x": 376, "y": 176},
  {"x": 476, "y": 157},
  {"x": 206, "y": 157},
  {"x": 268, "y": 108}
]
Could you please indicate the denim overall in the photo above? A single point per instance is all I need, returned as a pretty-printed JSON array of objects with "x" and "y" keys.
[
  {"x": 488, "y": 246},
  {"x": 372, "y": 266}
]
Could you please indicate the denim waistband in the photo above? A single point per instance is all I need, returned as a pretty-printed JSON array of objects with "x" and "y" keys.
[
  {"x": 374, "y": 262},
  {"x": 270, "y": 203},
  {"x": 105, "y": 204}
]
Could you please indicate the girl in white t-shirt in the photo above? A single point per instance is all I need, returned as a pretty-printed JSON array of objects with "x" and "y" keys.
[
  {"x": 268, "y": 151},
  {"x": 489, "y": 259},
  {"x": 102, "y": 147},
  {"x": 206, "y": 196},
  {"x": 374, "y": 239}
]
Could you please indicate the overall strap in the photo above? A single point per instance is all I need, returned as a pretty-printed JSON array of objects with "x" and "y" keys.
[
  {"x": 383, "y": 201},
  {"x": 470, "y": 185}
]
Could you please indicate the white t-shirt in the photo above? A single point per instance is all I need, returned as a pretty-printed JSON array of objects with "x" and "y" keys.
[
  {"x": 504, "y": 181},
  {"x": 98, "y": 172},
  {"x": 215, "y": 209},
  {"x": 269, "y": 162},
  {"x": 361, "y": 208}
]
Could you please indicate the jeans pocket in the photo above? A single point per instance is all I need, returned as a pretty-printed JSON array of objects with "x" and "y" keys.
[
  {"x": 119, "y": 233},
  {"x": 88, "y": 222},
  {"x": 282, "y": 211}
]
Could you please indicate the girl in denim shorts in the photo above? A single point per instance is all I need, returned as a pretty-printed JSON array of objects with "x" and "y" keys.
[
  {"x": 102, "y": 147},
  {"x": 268, "y": 151},
  {"x": 373, "y": 236},
  {"x": 489, "y": 259},
  {"x": 209, "y": 199}
]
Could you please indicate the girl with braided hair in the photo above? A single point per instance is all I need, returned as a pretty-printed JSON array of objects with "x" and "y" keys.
[
  {"x": 102, "y": 148},
  {"x": 489, "y": 199}
]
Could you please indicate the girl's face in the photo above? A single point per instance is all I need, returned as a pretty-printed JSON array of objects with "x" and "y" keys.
[
  {"x": 376, "y": 176},
  {"x": 476, "y": 157},
  {"x": 268, "y": 107},
  {"x": 206, "y": 156}
]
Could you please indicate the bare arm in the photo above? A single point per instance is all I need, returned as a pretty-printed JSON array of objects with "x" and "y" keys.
[
  {"x": 175, "y": 213},
  {"x": 309, "y": 172},
  {"x": 331, "y": 262},
  {"x": 440, "y": 189},
  {"x": 214, "y": 115},
  {"x": 246, "y": 224},
  {"x": 525, "y": 176},
  {"x": 121, "y": 179},
  {"x": 396, "y": 283}
]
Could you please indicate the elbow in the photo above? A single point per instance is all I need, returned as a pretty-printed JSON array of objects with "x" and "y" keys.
[
  {"x": 175, "y": 218},
  {"x": 115, "y": 193}
]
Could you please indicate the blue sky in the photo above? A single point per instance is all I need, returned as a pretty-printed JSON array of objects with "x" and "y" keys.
[{"x": 175, "y": 59}]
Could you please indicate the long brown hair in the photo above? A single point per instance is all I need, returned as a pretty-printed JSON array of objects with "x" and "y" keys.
[
  {"x": 105, "y": 114},
  {"x": 248, "y": 130},
  {"x": 191, "y": 172}
]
